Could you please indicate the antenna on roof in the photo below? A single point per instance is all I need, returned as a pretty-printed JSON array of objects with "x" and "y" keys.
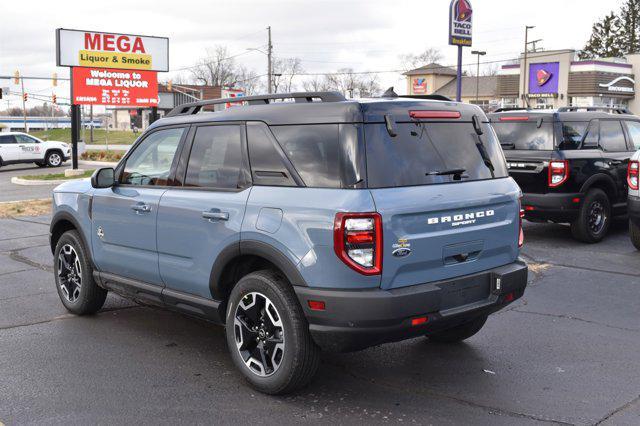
[{"x": 389, "y": 93}]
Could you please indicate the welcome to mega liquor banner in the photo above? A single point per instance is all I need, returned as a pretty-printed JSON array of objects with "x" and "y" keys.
[{"x": 113, "y": 87}]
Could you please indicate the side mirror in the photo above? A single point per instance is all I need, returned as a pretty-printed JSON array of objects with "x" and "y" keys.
[{"x": 103, "y": 178}]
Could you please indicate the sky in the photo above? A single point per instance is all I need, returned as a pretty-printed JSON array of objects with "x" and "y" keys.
[{"x": 325, "y": 34}]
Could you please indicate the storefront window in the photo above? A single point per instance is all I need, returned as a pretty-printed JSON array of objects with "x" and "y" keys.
[{"x": 509, "y": 103}]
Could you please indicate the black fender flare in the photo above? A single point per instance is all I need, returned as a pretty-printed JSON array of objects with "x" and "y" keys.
[
  {"x": 66, "y": 216},
  {"x": 255, "y": 248},
  {"x": 601, "y": 177}
]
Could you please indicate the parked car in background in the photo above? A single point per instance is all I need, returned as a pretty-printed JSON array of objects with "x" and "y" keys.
[
  {"x": 18, "y": 147},
  {"x": 273, "y": 219},
  {"x": 571, "y": 164},
  {"x": 633, "y": 201}
]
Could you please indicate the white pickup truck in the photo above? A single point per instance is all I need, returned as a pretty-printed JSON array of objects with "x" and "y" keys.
[{"x": 17, "y": 147}]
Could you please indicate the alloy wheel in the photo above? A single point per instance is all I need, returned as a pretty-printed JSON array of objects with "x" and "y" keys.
[
  {"x": 69, "y": 273},
  {"x": 597, "y": 217},
  {"x": 54, "y": 159},
  {"x": 259, "y": 334}
]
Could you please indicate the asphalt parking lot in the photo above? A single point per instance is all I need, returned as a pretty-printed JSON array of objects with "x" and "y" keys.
[
  {"x": 11, "y": 192},
  {"x": 567, "y": 353}
]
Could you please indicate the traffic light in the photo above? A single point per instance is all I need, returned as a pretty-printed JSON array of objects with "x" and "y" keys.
[
  {"x": 25, "y": 97},
  {"x": 54, "y": 99},
  {"x": 0, "y": 92},
  {"x": 169, "y": 85},
  {"x": 16, "y": 77},
  {"x": 54, "y": 79}
]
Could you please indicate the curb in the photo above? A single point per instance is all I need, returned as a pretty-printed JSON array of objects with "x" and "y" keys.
[
  {"x": 97, "y": 163},
  {"x": 31, "y": 182},
  {"x": 24, "y": 201}
]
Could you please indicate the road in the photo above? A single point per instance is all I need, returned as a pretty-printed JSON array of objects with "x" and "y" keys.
[
  {"x": 12, "y": 192},
  {"x": 566, "y": 353}
]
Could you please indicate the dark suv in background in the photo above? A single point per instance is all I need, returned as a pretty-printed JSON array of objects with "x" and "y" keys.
[{"x": 570, "y": 163}]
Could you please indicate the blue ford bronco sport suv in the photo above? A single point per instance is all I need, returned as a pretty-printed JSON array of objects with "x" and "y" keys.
[{"x": 301, "y": 221}]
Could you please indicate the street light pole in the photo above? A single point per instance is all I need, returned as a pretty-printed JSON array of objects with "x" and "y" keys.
[
  {"x": 269, "y": 65},
  {"x": 525, "y": 102},
  {"x": 478, "y": 53}
]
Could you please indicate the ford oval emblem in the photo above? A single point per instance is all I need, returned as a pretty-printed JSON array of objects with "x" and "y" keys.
[{"x": 401, "y": 252}]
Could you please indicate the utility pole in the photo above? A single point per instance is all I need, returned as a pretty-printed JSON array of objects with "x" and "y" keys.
[
  {"x": 269, "y": 64},
  {"x": 24, "y": 106},
  {"x": 525, "y": 101},
  {"x": 478, "y": 53},
  {"x": 91, "y": 123}
]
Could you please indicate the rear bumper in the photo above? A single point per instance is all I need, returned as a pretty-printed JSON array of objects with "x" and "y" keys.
[
  {"x": 356, "y": 319},
  {"x": 553, "y": 207},
  {"x": 633, "y": 208}
]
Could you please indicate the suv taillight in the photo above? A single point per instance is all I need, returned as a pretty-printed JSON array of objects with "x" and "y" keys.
[
  {"x": 558, "y": 172},
  {"x": 357, "y": 241},
  {"x": 521, "y": 232},
  {"x": 632, "y": 174}
]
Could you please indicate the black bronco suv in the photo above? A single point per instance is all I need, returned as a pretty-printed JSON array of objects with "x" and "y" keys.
[{"x": 570, "y": 163}]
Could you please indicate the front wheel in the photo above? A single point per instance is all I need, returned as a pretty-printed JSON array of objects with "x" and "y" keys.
[
  {"x": 53, "y": 159},
  {"x": 460, "y": 332},
  {"x": 594, "y": 217},
  {"x": 77, "y": 290},
  {"x": 268, "y": 335}
]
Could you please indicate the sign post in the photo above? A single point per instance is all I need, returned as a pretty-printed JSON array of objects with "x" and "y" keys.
[
  {"x": 110, "y": 69},
  {"x": 460, "y": 34}
]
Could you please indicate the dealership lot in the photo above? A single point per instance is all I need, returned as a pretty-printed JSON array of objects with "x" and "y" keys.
[{"x": 565, "y": 353}]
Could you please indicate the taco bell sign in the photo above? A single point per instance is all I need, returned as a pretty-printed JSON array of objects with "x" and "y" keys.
[{"x": 460, "y": 23}]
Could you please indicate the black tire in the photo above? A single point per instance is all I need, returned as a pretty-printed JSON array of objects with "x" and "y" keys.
[
  {"x": 300, "y": 355},
  {"x": 634, "y": 234},
  {"x": 89, "y": 298},
  {"x": 460, "y": 332},
  {"x": 54, "y": 158},
  {"x": 588, "y": 228}
]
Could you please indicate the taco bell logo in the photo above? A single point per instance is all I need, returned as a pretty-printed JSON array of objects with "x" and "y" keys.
[{"x": 463, "y": 11}]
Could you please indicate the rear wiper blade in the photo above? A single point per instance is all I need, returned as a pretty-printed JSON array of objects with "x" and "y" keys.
[
  {"x": 446, "y": 172},
  {"x": 512, "y": 145}
]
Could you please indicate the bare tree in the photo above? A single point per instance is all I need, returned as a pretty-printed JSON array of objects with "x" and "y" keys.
[
  {"x": 248, "y": 81},
  {"x": 428, "y": 56},
  {"x": 347, "y": 82},
  {"x": 216, "y": 69},
  {"x": 285, "y": 70}
]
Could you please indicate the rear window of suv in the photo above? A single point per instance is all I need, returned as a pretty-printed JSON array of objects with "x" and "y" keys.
[
  {"x": 422, "y": 149},
  {"x": 525, "y": 135}
]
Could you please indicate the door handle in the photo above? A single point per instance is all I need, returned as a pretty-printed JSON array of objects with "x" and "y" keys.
[
  {"x": 615, "y": 162},
  {"x": 141, "y": 208},
  {"x": 215, "y": 215}
]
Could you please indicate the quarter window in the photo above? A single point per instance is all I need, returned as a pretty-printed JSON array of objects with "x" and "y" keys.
[
  {"x": 611, "y": 136},
  {"x": 216, "y": 158},
  {"x": 7, "y": 139},
  {"x": 634, "y": 132},
  {"x": 150, "y": 162},
  {"x": 25, "y": 139}
]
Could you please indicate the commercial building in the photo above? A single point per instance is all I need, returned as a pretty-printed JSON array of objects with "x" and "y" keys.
[
  {"x": 553, "y": 79},
  {"x": 441, "y": 80},
  {"x": 127, "y": 118}
]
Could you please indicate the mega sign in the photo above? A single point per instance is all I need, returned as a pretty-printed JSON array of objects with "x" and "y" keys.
[
  {"x": 419, "y": 85},
  {"x": 110, "y": 50},
  {"x": 97, "y": 86},
  {"x": 460, "y": 23}
]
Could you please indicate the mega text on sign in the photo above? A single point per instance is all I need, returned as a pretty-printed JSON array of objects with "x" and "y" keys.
[
  {"x": 110, "y": 50},
  {"x": 460, "y": 22},
  {"x": 96, "y": 86}
]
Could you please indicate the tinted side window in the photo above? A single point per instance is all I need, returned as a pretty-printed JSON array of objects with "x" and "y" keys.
[
  {"x": 572, "y": 134},
  {"x": 216, "y": 158},
  {"x": 150, "y": 162},
  {"x": 633, "y": 128},
  {"x": 314, "y": 152},
  {"x": 7, "y": 139},
  {"x": 267, "y": 164},
  {"x": 611, "y": 136}
]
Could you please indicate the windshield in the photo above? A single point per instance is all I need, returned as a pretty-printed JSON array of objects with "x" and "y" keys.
[
  {"x": 525, "y": 135},
  {"x": 430, "y": 153}
]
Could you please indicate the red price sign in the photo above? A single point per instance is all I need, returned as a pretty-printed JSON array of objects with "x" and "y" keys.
[{"x": 101, "y": 86}]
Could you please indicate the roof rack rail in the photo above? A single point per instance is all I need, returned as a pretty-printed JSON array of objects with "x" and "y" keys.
[
  {"x": 432, "y": 97},
  {"x": 615, "y": 110},
  {"x": 196, "y": 107},
  {"x": 507, "y": 109}
]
